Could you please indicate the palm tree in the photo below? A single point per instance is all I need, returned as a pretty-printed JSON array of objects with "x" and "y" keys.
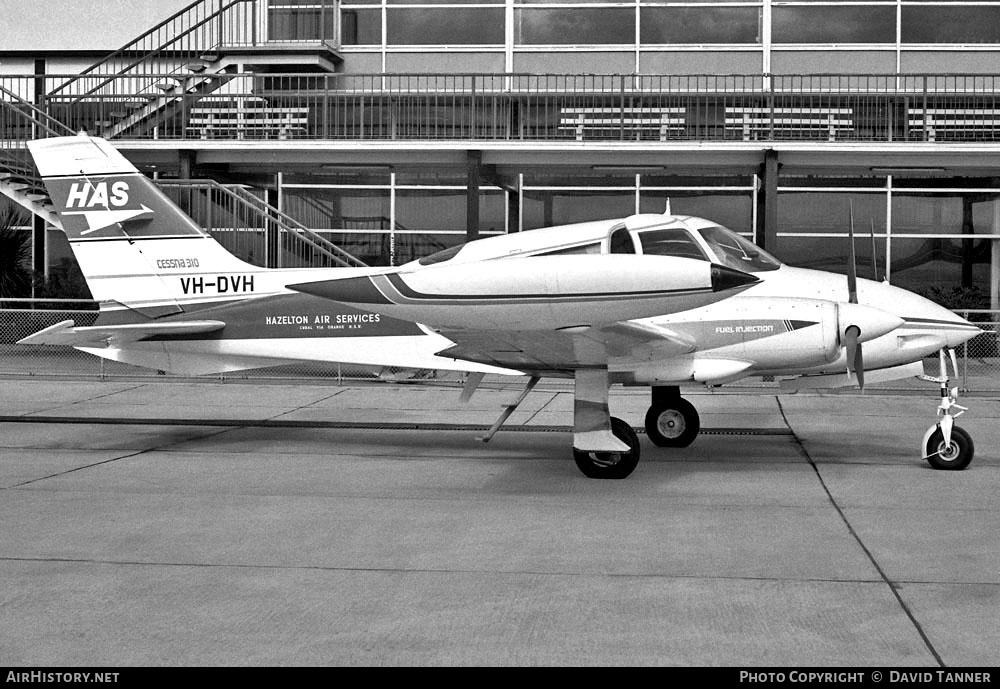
[{"x": 15, "y": 253}]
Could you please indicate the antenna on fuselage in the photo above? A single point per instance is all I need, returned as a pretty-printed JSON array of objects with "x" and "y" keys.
[{"x": 666, "y": 209}]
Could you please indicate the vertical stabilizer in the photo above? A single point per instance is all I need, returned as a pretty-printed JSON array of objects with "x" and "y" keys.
[{"x": 133, "y": 244}]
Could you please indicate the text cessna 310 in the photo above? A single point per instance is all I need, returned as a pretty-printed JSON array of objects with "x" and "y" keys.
[{"x": 657, "y": 300}]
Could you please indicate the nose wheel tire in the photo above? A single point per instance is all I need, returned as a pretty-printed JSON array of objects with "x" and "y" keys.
[
  {"x": 611, "y": 465},
  {"x": 672, "y": 424},
  {"x": 952, "y": 457}
]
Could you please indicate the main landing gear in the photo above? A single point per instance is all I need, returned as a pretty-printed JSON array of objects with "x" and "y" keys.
[
  {"x": 671, "y": 420},
  {"x": 611, "y": 464},
  {"x": 947, "y": 446}
]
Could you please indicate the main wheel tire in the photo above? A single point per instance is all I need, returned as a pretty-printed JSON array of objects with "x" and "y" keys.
[
  {"x": 953, "y": 457},
  {"x": 672, "y": 424},
  {"x": 613, "y": 465}
]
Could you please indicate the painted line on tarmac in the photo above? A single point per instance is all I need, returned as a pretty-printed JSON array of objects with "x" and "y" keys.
[{"x": 351, "y": 425}]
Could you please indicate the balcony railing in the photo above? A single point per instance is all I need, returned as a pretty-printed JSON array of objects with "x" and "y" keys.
[{"x": 529, "y": 107}]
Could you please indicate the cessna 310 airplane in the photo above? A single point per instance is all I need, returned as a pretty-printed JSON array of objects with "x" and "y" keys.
[{"x": 657, "y": 300}]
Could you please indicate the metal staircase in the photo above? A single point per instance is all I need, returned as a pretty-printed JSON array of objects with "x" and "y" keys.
[
  {"x": 252, "y": 229},
  {"x": 189, "y": 55}
]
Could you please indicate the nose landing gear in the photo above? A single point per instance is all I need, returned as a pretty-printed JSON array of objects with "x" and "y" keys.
[
  {"x": 671, "y": 420},
  {"x": 947, "y": 446}
]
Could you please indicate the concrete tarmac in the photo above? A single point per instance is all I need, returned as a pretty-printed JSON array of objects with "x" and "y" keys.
[{"x": 242, "y": 524}]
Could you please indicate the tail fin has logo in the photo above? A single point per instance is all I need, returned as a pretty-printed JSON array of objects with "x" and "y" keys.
[
  {"x": 97, "y": 195},
  {"x": 89, "y": 205}
]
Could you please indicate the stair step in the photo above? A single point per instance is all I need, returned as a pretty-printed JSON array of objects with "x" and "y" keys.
[{"x": 196, "y": 66}]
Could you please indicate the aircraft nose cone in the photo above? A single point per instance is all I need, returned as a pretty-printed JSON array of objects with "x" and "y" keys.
[{"x": 725, "y": 278}]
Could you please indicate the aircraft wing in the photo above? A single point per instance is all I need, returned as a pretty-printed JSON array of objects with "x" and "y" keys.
[
  {"x": 66, "y": 332},
  {"x": 566, "y": 349}
]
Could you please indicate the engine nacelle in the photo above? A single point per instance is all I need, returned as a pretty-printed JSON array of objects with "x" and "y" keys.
[{"x": 771, "y": 332}]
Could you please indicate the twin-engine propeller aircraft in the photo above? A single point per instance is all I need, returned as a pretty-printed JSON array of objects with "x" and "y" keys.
[{"x": 657, "y": 300}]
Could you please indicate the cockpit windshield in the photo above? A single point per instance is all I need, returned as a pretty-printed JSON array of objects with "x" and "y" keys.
[{"x": 736, "y": 252}]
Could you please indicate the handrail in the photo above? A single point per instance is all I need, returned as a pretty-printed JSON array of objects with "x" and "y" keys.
[
  {"x": 315, "y": 240},
  {"x": 300, "y": 231},
  {"x": 41, "y": 118},
  {"x": 147, "y": 55}
]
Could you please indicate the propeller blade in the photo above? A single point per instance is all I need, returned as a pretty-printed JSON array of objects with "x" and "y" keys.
[
  {"x": 855, "y": 357},
  {"x": 852, "y": 267},
  {"x": 859, "y": 366}
]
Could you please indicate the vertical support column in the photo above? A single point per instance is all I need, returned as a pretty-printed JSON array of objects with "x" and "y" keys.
[
  {"x": 473, "y": 161},
  {"x": 767, "y": 215},
  {"x": 185, "y": 163},
  {"x": 39, "y": 251},
  {"x": 514, "y": 207}
]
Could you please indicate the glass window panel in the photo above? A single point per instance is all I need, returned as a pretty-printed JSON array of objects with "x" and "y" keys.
[
  {"x": 732, "y": 210},
  {"x": 465, "y": 26},
  {"x": 578, "y": 25},
  {"x": 436, "y": 210},
  {"x": 432, "y": 177},
  {"x": 831, "y": 212},
  {"x": 338, "y": 209},
  {"x": 445, "y": 2},
  {"x": 980, "y": 24},
  {"x": 830, "y": 254},
  {"x": 699, "y": 25},
  {"x": 857, "y": 24},
  {"x": 370, "y": 247},
  {"x": 300, "y": 24},
  {"x": 361, "y": 27},
  {"x": 944, "y": 214},
  {"x": 932, "y": 266},
  {"x": 578, "y": 179},
  {"x": 546, "y": 208}
]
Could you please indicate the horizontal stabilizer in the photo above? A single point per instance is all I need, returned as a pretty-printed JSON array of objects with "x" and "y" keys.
[
  {"x": 66, "y": 332},
  {"x": 844, "y": 380}
]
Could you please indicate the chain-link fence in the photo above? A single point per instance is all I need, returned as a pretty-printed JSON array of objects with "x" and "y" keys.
[{"x": 978, "y": 359}]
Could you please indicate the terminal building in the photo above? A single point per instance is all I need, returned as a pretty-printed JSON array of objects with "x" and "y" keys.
[{"x": 380, "y": 131}]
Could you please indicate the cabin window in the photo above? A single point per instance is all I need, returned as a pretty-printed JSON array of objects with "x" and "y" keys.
[{"x": 621, "y": 242}]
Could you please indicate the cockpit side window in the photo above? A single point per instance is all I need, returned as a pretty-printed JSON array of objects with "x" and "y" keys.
[
  {"x": 621, "y": 242},
  {"x": 670, "y": 242},
  {"x": 736, "y": 252}
]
